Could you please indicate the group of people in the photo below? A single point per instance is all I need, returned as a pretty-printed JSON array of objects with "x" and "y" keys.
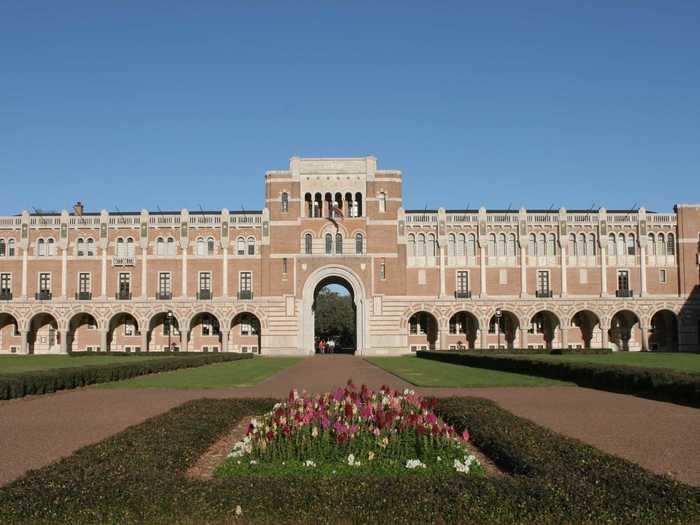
[{"x": 326, "y": 347}]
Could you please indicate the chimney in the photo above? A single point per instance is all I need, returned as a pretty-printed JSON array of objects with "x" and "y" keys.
[{"x": 78, "y": 208}]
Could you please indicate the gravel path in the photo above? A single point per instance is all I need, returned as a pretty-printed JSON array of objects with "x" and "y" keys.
[{"x": 661, "y": 437}]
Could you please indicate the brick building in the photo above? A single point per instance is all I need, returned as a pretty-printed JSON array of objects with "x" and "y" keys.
[{"x": 246, "y": 281}]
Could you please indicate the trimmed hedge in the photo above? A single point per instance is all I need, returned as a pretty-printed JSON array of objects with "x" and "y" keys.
[
  {"x": 653, "y": 383},
  {"x": 137, "y": 476},
  {"x": 532, "y": 351},
  {"x": 46, "y": 381}
]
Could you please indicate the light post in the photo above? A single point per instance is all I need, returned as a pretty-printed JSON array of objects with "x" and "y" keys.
[
  {"x": 169, "y": 317},
  {"x": 498, "y": 326}
]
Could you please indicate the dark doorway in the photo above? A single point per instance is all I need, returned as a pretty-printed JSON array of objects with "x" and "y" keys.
[{"x": 334, "y": 317}]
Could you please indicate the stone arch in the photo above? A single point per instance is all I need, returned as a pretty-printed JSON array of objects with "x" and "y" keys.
[
  {"x": 503, "y": 331},
  {"x": 663, "y": 331},
  {"x": 417, "y": 307},
  {"x": 43, "y": 333},
  {"x": 245, "y": 333},
  {"x": 424, "y": 331},
  {"x": 170, "y": 337},
  {"x": 10, "y": 335},
  {"x": 203, "y": 331},
  {"x": 83, "y": 331},
  {"x": 124, "y": 331},
  {"x": 326, "y": 275},
  {"x": 463, "y": 329},
  {"x": 250, "y": 308},
  {"x": 625, "y": 331},
  {"x": 586, "y": 321},
  {"x": 545, "y": 323}
]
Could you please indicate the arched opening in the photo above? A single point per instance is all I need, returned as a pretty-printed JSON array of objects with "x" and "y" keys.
[
  {"x": 245, "y": 334},
  {"x": 205, "y": 333},
  {"x": 10, "y": 338},
  {"x": 663, "y": 333},
  {"x": 543, "y": 330},
  {"x": 503, "y": 330},
  {"x": 164, "y": 333},
  {"x": 123, "y": 334},
  {"x": 463, "y": 331},
  {"x": 423, "y": 331},
  {"x": 589, "y": 333},
  {"x": 43, "y": 336},
  {"x": 624, "y": 334},
  {"x": 334, "y": 317},
  {"x": 83, "y": 335}
]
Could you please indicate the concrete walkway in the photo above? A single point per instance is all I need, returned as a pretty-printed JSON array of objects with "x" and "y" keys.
[{"x": 661, "y": 437}]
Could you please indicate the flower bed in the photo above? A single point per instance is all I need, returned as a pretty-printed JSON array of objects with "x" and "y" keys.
[{"x": 351, "y": 430}]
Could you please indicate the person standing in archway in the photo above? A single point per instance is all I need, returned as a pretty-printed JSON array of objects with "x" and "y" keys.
[
  {"x": 331, "y": 346},
  {"x": 322, "y": 346}
]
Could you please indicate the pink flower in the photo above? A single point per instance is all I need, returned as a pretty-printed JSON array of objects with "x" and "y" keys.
[{"x": 465, "y": 435}]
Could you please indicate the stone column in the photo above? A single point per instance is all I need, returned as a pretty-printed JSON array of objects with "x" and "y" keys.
[
  {"x": 442, "y": 271},
  {"x": 185, "y": 340},
  {"x": 224, "y": 340},
  {"x": 523, "y": 337},
  {"x": 564, "y": 265},
  {"x": 184, "y": 272},
  {"x": 643, "y": 334},
  {"x": 224, "y": 277},
  {"x": 64, "y": 273},
  {"x": 103, "y": 275},
  {"x": 25, "y": 341},
  {"x": 604, "y": 335},
  {"x": 643, "y": 270},
  {"x": 144, "y": 341},
  {"x": 25, "y": 260},
  {"x": 482, "y": 270},
  {"x": 523, "y": 272},
  {"x": 564, "y": 336},
  {"x": 63, "y": 335},
  {"x": 442, "y": 338},
  {"x": 144, "y": 273},
  {"x": 603, "y": 270},
  {"x": 103, "y": 340},
  {"x": 481, "y": 335}
]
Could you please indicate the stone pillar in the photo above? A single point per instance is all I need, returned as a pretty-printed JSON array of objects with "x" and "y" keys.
[
  {"x": 643, "y": 334},
  {"x": 564, "y": 331},
  {"x": 481, "y": 335},
  {"x": 482, "y": 270},
  {"x": 144, "y": 341},
  {"x": 523, "y": 272},
  {"x": 185, "y": 340},
  {"x": 184, "y": 272},
  {"x": 523, "y": 337},
  {"x": 442, "y": 338},
  {"x": 604, "y": 336},
  {"x": 442, "y": 271},
  {"x": 103, "y": 340},
  {"x": 144, "y": 273},
  {"x": 224, "y": 340},
  {"x": 643, "y": 270},
  {"x": 103, "y": 274},
  {"x": 25, "y": 341},
  {"x": 63, "y": 335},
  {"x": 564, "y": 263},
  {"x": 25, "y": 260},
  {"x": 224, "y": 277},
  {"x": 603, "y": 269},
  {"x": 64, "y": 273}
]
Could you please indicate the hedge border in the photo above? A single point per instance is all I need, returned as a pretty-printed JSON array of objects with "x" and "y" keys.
[
  {"x": 660, "y": 384},
  {"x": 39, "y": 382},
  {"x": 531, "y": 351},
  {"x": 137, "y": 476}
]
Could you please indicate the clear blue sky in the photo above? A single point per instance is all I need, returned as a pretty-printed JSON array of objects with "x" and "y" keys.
[{"x": 137, "y": 104}]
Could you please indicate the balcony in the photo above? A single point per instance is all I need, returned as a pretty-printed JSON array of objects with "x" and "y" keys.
[
  {"x": 543, "y": 294},
  {"x": 204, "y": 295},
  {"x": 43, "y": 295},
  {"x": 83, "y": 296},
  {"x": 164, "y": 296},
  {"x": 123, "y": 261},
  {"x": 123, "y": 295},
  {"x": 245, "y": 295},
  {"x": 624, "y": 293},
  {"x": 5, "y": 295},
  {"x": 463, "y": 294}
]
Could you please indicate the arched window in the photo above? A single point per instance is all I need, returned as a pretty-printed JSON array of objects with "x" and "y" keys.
[
  {"x": 90, "y": 251},
  {"x": 671, "y": 244},
  {"x": 131, "y": 248},
  {"x": 121, "y": 248},
  {"x": 50, "y": 246},
  {"x": 318, "y": 205},
  {"x": 329, "y": 244},
  {"x": 572, "y": 244},
  {"x": 3, "y": 248},
  {"x": 492, "y": 245},
  {"x": 431, "y": 245},
  {"x": 338, "y": 244},
  {"x": 309, "y": 205},
  {"x": 251, "y": 245},
  {"x": 660, "y": 244},
  {"x": 80, "y": 243},
  {"x": 358, "y": 244},
  {"x": 501, "y": 249},
  {"x": 210, "y": 246},
  {"x": 411, "y": 245},
  {"x": 160, "y": 246},
  {"x": 612, "y": 244},
  {"x": 382, "y": 202},
  {"x": 358, "y": 203},
  {"x": 510, "y": 248},
  {"x": 471, "y": 245},
  {"x": 420, "y": 245},
  {"x": 11, "y": 247},
  {"x": 451, "y": 242},
  {"x": 308, "y": 243},
  {"x": 171, "y": 247},
  {"x": 532, "y": 245},
  {"x": 552, "y": 245},
  {"x": 542, "y": 245},
  {"x": 240, "y": 246},
  {"x": 631, "y": 245},
  {"x": 621, "y": 244},
  {"x": 461, "y": 242},
  {"x": 348, "y": 204},
  {"x": 652, "y": 244},
  {"x": 591, "y": 244},
  {"x": 285, "y": 202},
  {"x": 582, "y": 245},
  {"x": 201, "y": 249},
  {"x": 40, "y": 247}
]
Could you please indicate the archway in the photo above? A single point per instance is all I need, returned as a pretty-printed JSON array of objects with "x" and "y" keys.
[
  {"x": 589, "y": 334},
  {"x": 624, "y": 334},
  {"x": 123, "y": 334},
  {"x": 423, "y": 331},
  {"x": 338, "y": 275},
  {"x": 245, "y": 334},
  {"x": 10, "y": 338},
  {"x": 334, "y": 317},
  {"x": 43, "y": 336},
  {"x": 503, "y": 330},
  {"x": 164, "y": 333},
  {"x": 462, "y": 331},
  {"x": 543, "y": 327},
  {"x": 204, "y": 333},
  {"x": 663, "y": 332},
  {"x": 83, "y": 335}
]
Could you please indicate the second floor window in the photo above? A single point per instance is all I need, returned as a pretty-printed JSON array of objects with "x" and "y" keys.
[
  {"x": 251, "y": 245},
  {"x": 285, "y": 202},
  {"x": 5, "y": 282},
  {"x": 543, "y": 281},
  {"x": 462, "y": 281},
  {"x": 246, "y": 282},
  {"x": 164, "y": 283},
  {"x": 205, "y": 281},
  {"x": 623, "y": 280},
  {"x": 124, "y": 283},
  {"x": 382, "y": 202},
  {"x": 7, "y": 247},
  {"x": 358, "y": 244},
  {"x": 308, "y": 244},
  {"x": 338, "y": 244},
  {"x": 240, "y": 246},
  {"x": 329, "y": 244},
  {"x": 84, "y": 282},
  {"x": 44, "y": 282}
]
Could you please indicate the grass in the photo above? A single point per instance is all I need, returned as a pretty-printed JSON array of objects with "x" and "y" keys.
[
  {"x": 680, "y": 362},
  {"x": 16, "y": 364},
  {"x": 428, "y": 373},
  {"x": 221, "y": 375}
]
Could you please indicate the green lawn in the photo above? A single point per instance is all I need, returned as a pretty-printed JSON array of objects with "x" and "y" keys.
[
  {"x": 681, "y": 362},
  {"x": 247, "y": 372},
  {"x": 425, "y": 372},
  {"x": 14, "y": 364}
]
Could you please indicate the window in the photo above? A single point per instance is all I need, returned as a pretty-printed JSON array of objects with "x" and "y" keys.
[
  {"x": 164, "y": 289},
  {"x": 501, "y": 248},
  {"x": 50, "y": 247},
  {"x": 90, "y": 250},
  {"x": 541, "y": 245},
  {"x": 551, "y": 245},
  {"x": 511, "y": 246},
  {"x": 204, "y": 281},
  {"x": 44, "y": 282},
  {"x": 40, "y": 247},
  {"x": 382, "y": 269},
  {"x": 431, "y": 245},
  {"x": 631, "y": 245},
  {"x": 338, "y": 244},
  {"x": 621, "y": 244},
  {"x": 411, "y": 245},
  {"x": 251, "y": 245},
  {"x": 491, "y": 247},
  {"x": 591, "y": 244},
  {"x": 11, "y": 247},
  {"x": 612, "y": 244},
  {"x": 285, "y": 266},
  {"x": 248, "y": 325},
  {"x": 420, "y": 245},
  {"x": 172, "y": 247},
  {"x": 200, "y": 248},
  {"x": 471, "y": 245},
  {"x": 662, "y": 276},
  {"x": 84, "y": 282},
  {"x": 418, "y": 324},
  {"x": 240, "y": 246},
  {"x": 285, "y": 202},
  {"x": 210, "y": 246},
  {"x": 573, "y": 245},
  {"x": 461, "y": 245},
  {"x": 462, "y": 281},
  {"x": 3, "y": 248},
  {"x": 382, "y": 202},
  {"x": 329, "y": 244},
  {"x": 80, "y": 247},
  {"x": 651, "y": 245},
  {"x": 661, "y": 244},
  {"x": 129, "y": 327},
  {"x": 670, "y": 245},
  {"x": 5, "y": 283},
  {"x": 308, "y": 244},
  {"x": 210, "y": 325},
  {"x": 124, "y": 283},
  {"x": 359, "y": 244},
  {"x": 543, "y": 281},
  {"x": 160, "y": 246},
  {"x": 623, "y": 280},
  {"x": 532, "y": 245},
  {"x": 246, "y": 282}
]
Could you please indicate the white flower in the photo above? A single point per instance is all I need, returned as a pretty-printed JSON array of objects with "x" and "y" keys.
[
  {"x": 314, "y": 432},
  {"x": 414, "y": 463},
  {"x": 351, "y": 459},
  {"x": 239, "y": 510},
  {"x": 253, "y": 462},
  {"x": 439, "y": 458},
  {"x": 309, "y": 463}
]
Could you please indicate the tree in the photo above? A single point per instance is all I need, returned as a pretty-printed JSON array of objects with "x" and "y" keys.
[{"x": 335, "y": 317}]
